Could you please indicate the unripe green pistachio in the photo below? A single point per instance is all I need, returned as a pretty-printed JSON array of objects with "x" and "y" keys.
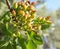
[
  {"x": 50, "y": 22},
  {"x": 33, "y": 11},
  {"x": 19, "y": 3},
  {"x": 28, "y": 15},
  {"x": 18, "y": 33},
  {"x": 21, "y": 12},
  {"x": 30, "y": 25},
  {"x": 39, "y": 27},
  {"x": 15, "y": 25},
  {"x": 20, "y": 7},
  {"x": 14, "y": 35},
  {"x": 33, "y": 15},
  {"x": 35, "y": 28},
  {"x": 40, "y": 18},
  {"x": 25, "y": 7},
  {"x": 31, "y": 7},
  {"x": 44, "y": 19},
  {"x": 25, "y": 27},
  {"x": 25, "y": 16},
  {"x": 47, "y": 18},
  {"x": 15, "y": 6},
  {"x": 27, "y": 12}
]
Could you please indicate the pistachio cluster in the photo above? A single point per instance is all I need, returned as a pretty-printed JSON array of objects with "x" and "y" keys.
[
  {"x": 23, "y": 13},
  {"x": 23, "y": 16},
  {"x": 25, "y": 9}
]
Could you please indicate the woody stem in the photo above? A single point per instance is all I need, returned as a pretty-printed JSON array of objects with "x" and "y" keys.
[{"x": 8, "y": 4}]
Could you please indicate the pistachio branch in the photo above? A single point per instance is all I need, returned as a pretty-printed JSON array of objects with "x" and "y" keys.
[
  {"x": 11, "y": 10},
  {"x": 8, "y": 4},
  {"x": 9, "y": 7}
]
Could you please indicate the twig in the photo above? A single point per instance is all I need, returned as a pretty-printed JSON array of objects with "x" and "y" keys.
[
  {"x": 9, "y": 7},
  {"x": 8, "y": 4}
]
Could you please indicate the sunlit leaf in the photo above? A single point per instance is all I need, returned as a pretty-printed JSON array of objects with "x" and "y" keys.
[{"x": 31, "y": 45}]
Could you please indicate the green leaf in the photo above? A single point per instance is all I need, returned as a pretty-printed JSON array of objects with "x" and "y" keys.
[
  {"x": 3, "y": 44},
  {"x": 4, "y": 47},
  {"x": 45, "y": 26},
  {"x": 4, "y": 15},
  {"x": 37, "y": 39},
  {"x": 10, "y": 46},
  {"x": 31, "y": 45},
  {"x": 4, "y": 29},
  {"x": 22, "y": 42},
  {"x": 18, "y": 47}
]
